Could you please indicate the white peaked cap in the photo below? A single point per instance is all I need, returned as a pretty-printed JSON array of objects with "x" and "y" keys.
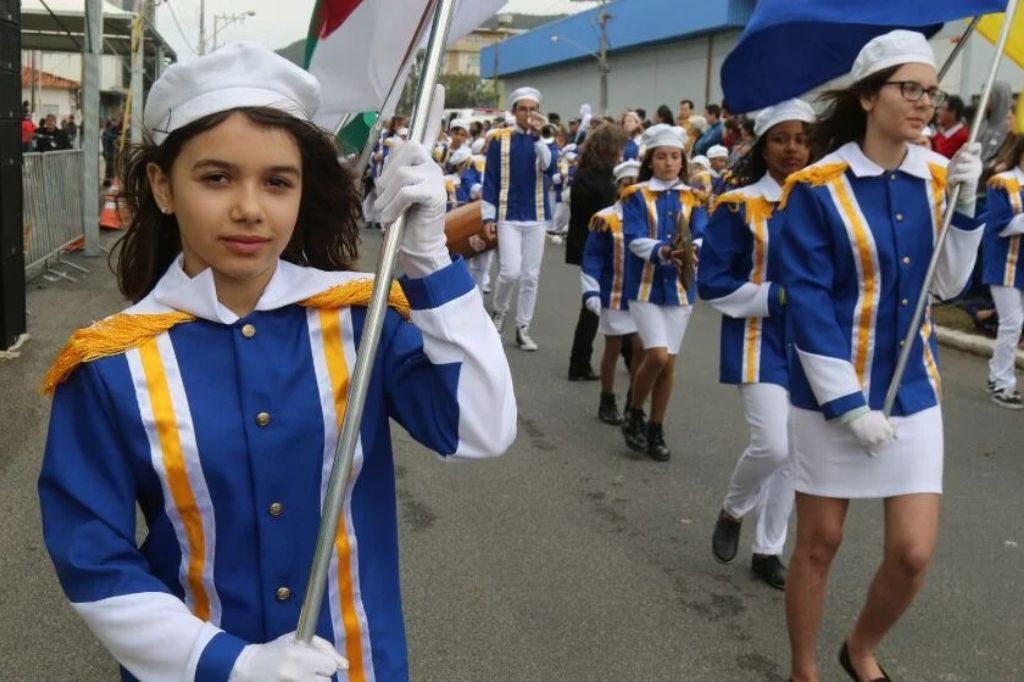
[
  {"x": 477, "y": 146},
  {"x": 459, "y": 155},
  {"x": 717, "y": 151},
  {"x": 790, "y": 110},
  {"x": 242, "y": 74},
  {"x": 523, "y": 93},
  {"x": 893, "y": 48},
  {"x": 459, "y": 123},
  {"x": 626, "y": 169},
  {"x": 664, "y": 135},
  {"x": 701, "y": 160}
]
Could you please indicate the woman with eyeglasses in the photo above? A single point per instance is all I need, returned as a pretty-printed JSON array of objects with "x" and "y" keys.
[{"x": 860, "y": 227}]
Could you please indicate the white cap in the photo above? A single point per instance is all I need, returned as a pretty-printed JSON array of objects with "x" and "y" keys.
[
  {"x": 459, "y": 155},
  {"x": 891, "y": 49},
  {"x": 459, "y": 123},
  {"x": 701, "y": 160},
  {"x": 569, "y": 148},
  {"x": 698, "y": 122},
  {"x": 402, "y": 132},
  {"x": 626, "y": 169},
  {"x": 242, "y": 74},
  {"x": 717, "y": 151},
  {"x": 477, "y": 146},
  {"x": 523, "y": 93},
  {"x": 790, "y": 110},
  {"x": 663, "y": 135}
]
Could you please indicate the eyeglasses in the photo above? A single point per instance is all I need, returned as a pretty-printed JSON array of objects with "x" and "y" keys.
[{"x": 912, "y": 91}]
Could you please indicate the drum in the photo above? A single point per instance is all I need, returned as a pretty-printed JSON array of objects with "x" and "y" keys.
[{"x": 465, "y": 232}]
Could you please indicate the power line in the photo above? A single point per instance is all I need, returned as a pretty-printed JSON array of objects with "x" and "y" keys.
[{"x": 181, "y": 31}]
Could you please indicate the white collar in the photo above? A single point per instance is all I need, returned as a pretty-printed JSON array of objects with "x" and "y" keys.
[
  {"x": 662, "y": 185},
  {"x": 946, "y": 132},
  {"x": 914, "y": 163},
  {"x": 198, "y": 296},
  {"x": 765, "y": 187}
]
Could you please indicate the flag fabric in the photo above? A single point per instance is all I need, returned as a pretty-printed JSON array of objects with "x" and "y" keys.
[
  {"x": 990, "y": 26},
  {"x": 792, "y": 46},
  {"x": 356, "y": 48}
]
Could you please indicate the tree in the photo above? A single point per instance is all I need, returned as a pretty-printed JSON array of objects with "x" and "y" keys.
[{"x": 462, "y": 91}]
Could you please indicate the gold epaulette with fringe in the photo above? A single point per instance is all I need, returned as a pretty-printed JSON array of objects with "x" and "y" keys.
[
  {"x": 605, "y": 221},
  {"x": 1008, "y": 183},
  {"x": 125, "y": 331},
  {"x": 631, "y": 190},
  {"x": 815, "y": 176},
  {"x": 757, "y": 208}
]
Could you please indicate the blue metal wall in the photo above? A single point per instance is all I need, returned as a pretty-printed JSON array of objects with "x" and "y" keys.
[{"x": 634, "y": 23}]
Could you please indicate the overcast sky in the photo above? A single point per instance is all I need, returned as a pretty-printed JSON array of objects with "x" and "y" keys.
[{"x": 278, "y": 23}]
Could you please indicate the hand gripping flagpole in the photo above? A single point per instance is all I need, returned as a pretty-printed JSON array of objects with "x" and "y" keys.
[
  {"x": 368, "y": 343},
  {"x": 947, "y": 219}
]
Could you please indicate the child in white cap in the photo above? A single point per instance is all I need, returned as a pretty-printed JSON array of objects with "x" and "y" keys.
[
  {"x": 659, "y": 302},
  {"x": 738, "y": 276},
  {"x": 214, "y": 402},
  {"x": 860, "y": 227}
]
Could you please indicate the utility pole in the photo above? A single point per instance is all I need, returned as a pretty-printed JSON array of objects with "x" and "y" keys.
[
  {"x": 138, "y": 55},
  {"x": 602, "y": 55},
  {"x": 202, "y": 27}
]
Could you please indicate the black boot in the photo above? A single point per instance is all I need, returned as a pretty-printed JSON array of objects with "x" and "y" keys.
[
  {"x": 656, "y": 448},
  {"x": 633, "y": 429},
  {"x": 608, "y": 412}
]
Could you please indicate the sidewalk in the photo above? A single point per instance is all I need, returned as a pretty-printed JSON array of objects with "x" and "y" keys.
[{"x": 964, "y": 338}]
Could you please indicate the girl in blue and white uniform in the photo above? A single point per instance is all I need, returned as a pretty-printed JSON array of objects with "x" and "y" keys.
[
  {"x": 658, "y": 302},
  {"x": 214, "y": 403},
  {"x": 858, "y": 233},
  {"x": 603, "y": 276},
  {"x": 739, "y": 272},
  {"x": 1003, "y": 260}
]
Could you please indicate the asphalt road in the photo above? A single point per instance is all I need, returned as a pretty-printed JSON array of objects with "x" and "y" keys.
[{"x": 569, "y": 559}]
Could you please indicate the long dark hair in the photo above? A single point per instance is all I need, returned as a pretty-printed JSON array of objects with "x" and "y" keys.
[
  {"x": 665, "y": 115},
  {"x": 647, "y": 166},
  {"x": 326, "y": 231},
  {"x": 844, "y": 119},
  {"x": 602, "y": 147},
  {"x": 752, "y": 166}
]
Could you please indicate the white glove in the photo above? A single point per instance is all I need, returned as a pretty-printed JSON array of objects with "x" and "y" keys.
[
  {"x": 872, "y": 430},
  {"x": 414, "y": 185},
  {"x": 965, "y": 169},
  {"x": 1014, "y": 228},
  {"x": 286, "y": 660},
  {"x": 593, "y": 304}
]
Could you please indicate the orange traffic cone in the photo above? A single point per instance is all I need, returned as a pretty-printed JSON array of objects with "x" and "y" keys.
[{"x": 110, "y": 216}]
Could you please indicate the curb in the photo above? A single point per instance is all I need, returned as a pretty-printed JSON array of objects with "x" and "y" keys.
[{"x": 971, "y": 343}]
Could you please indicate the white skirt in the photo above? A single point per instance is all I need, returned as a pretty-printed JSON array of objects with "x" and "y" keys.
[
  {"x": 826, "y": 460},
  {"x": 616, "y": 322},
  {"x": 660, "y": 326}
]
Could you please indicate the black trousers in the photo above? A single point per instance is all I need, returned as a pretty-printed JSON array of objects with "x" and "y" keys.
[{"x": 583, "y": 343}]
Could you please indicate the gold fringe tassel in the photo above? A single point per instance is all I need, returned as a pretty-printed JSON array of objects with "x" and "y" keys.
[{"x": 815, "y": 176}]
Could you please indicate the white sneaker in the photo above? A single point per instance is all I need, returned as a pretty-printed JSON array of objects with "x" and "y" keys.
[
  {"x": 1008, "y": 398},
  {"x": 524, "y": 340},
  {"x": 499, "y": 321}
]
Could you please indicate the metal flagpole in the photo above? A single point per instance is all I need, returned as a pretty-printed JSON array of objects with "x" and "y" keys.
[
  {"x": 958, "y": 48},
  {"x": 954, "y": 196},
  {"x": 367, "y": 351}
]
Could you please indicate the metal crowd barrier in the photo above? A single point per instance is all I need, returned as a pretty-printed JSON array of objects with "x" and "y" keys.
[{"x": 52, "y": 211}]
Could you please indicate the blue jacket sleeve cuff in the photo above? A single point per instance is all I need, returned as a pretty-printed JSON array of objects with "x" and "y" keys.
[
  {"x": 840, "y": 406},
  {"x": 218, "y": 658},
  {"x": 966, "y": 223},
  {"x": 443, "y": 286}
]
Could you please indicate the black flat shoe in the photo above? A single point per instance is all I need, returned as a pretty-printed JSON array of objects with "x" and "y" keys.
[
  {"x": 844, "y": 661},
  {"x": 769, "y": 569},
  {"x": 725, "y": 540},
  {"x": 585, "y": 375}
]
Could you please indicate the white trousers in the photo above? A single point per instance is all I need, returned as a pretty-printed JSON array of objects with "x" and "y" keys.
[
  {"x": 520, "y": 251},
  {"x": 560, "y": 218},
  {"x": 760, "y": 482},
  {"x": 1010, "y": 307},
  {"x": 480, "y": 269}
]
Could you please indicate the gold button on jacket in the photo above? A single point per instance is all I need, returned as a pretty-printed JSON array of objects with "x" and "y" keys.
[
  {"x": 263, "y": 419},
  {"x": 283, "y": 593},
  {"x": 248, "y": 331}
]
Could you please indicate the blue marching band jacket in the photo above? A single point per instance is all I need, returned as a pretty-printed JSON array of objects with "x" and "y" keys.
[
  {"x": 632, "y": 150},
  {"x": 739, "y": 277},
  {"x": 603, "y": 272},
  {"x": 649, "y": 213},
  {"x": 223, "y": 431},
  {"x": 1001, "y": 256},
  {"x": 514, "y": 187},
  {"x": 470, "y": 184},
  {"x": 855, "y": 246}
]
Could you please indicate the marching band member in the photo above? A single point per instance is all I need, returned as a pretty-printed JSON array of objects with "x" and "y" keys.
[
  {"x": 738, "y": 276},
  {"x": 718, "y": 159},
  {"x": 701, "y": 176},
  {"x": 460, "y": 161},
  {"x": 658, "y": 301},
  {"x": 479, "y": 266},
  {"x": 214, "y": 402},
  {"x": 603, "y": 277},
  {"x": 634, "y": 129},
  {"x": 457, "y": 137},
  {"x": 858, "y": 232},
  {"x": 561, "y": 184},
  {"x": 515, "y": 204},
  {"x": 1003, "y": 262}
]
